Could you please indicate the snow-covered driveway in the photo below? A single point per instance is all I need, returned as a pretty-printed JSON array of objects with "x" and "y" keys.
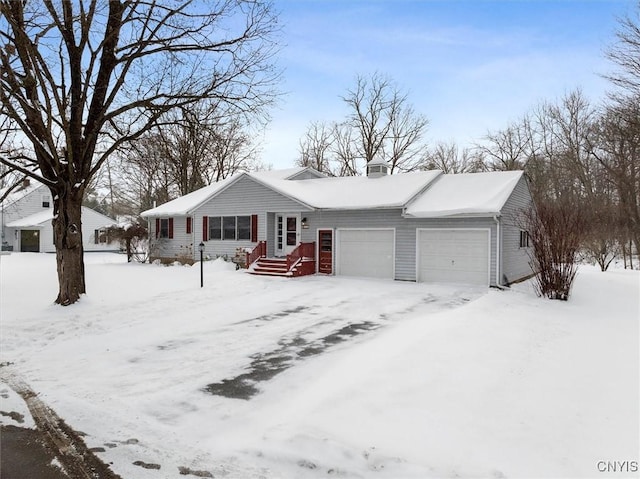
[
  {"x": 148, "y": 343},
  {"x": 254, "y": 377}
]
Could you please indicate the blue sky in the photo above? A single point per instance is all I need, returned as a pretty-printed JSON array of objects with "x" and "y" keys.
[{"x": 469, "y": 66}]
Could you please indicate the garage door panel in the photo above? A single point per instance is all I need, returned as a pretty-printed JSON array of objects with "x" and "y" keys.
[
  {"x": 366, "y": 253},
  {"x": 453, "y": 256}
]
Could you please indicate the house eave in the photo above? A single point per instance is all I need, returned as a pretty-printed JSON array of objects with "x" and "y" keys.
[{"x": 453, "y": 215}]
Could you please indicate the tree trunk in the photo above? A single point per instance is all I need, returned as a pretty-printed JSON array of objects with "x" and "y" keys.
[{"x": 67, "y": 237}]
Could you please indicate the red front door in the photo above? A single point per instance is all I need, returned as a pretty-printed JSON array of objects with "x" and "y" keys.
[{"x": 325, "y": 253}]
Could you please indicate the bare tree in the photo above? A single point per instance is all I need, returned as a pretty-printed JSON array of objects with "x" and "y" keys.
[
  {"x": 509, "y": 149},
  {"x": 450, "y": 159},
  {"x": 232, "y": 150},
  {"x": 404, "y": 148},
  {"x": 10, "y": 178},
  {"x": 555, "y": 230},
  {"x": 373, "y": 104},
  {"x": 385, "y": 124},
  {"x": 616, "y": 147},
  {"x": 315, "y": 147},
  {"x": 344, "y": 150},
  {"x": 625, "y": 53},
  {"x": 603, "y": 237},
  {"x": 380, "y": 123},
  {"x": 189, "y": 149},
  {"x": 81, "y": 78}
]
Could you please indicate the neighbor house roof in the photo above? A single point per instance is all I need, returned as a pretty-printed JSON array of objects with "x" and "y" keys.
[
  {"x": 37, "y": 220},
  {"x": 19, "y": 192},
  {"x": 465, "y": 194}
]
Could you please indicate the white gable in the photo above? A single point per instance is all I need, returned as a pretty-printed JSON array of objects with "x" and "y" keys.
[{"x": 189, "y": 202}]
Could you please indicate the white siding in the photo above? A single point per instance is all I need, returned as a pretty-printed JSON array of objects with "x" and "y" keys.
[
  {"x": 31, "y": 204},
  {"x": 91, "y": 221},
  {"x": 515, "y": 260},
  {"x": 405, "y": 232},
  {"x": 244, "y": 198},
  {"x": 247, "y": 197},
  {"x": 182, "y": 245},
  {"x": 27, "y": 205}
]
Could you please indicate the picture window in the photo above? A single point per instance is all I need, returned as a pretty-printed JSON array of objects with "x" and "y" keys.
[{"x": 230, "y": 228}]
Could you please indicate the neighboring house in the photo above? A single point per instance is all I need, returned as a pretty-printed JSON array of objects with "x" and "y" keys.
[
  {"x": 26, "y": 216},
  {"x": 422, "y": 226}
]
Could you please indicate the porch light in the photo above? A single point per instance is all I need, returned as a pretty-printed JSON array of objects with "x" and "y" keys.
[{"x": 304, "y": 222}]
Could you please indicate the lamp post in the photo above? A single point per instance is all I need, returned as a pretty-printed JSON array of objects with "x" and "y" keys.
[{"x": 201, "y": 249}]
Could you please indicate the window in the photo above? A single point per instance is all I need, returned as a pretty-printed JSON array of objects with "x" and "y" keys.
[
  {"x": 230, "y": 228},
  {"x": 164, "y": 228},
  {"x": 101, "y": 236},
  {"x": 524, "y": 239},
  {"x": 215, "y": 228},
  {"x": 188, "y": 225},
  {"x": 244, "y": 227},
  {"x": 163, "y": 231},
  {"x": 46, "y": 201}
]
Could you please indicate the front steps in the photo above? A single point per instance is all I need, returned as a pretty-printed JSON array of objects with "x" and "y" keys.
[
  {"x": 278, "y": 267},
  {"x": 271, "y": 267}
]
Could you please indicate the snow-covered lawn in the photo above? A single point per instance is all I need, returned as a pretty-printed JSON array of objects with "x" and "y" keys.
[{"x": 343, "y": 377}]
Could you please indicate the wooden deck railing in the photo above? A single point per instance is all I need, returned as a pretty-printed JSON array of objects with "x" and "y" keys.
[
  {"x": 303, "y": 250},
  {"x": 260, "y": 251}
]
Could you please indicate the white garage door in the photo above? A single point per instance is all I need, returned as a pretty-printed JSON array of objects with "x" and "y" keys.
[
  {"x": 368, "y": 253},
  {"x": 456, "y": 256}
]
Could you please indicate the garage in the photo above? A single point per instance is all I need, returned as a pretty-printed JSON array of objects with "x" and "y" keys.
[
  {"x": 365, "y": 253},
  {"x": 453, "y": 255}
]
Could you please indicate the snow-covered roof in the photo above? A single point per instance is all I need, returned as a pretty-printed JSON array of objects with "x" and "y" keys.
[
  {"x": 38, "y": 220},
  {"x": 19, "y": 192},
  {"x": 423, "y": 193},
  {"x": 189, "y": 202},
  {"x": 465, "y": 194},
  {"x": 285, "y": 173},
  {"x": 351, "y": 192},
  {"x": 355, "y": 192},
  {"x": 35, "y": 220}
]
